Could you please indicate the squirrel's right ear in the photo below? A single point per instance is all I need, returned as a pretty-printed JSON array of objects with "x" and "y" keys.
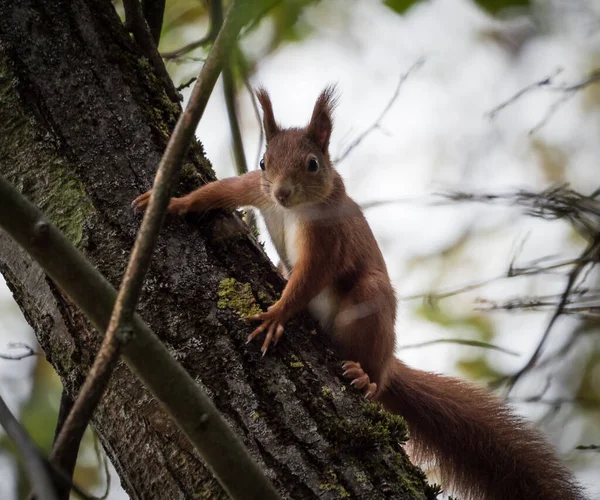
[{"x": 269, "y": 123}]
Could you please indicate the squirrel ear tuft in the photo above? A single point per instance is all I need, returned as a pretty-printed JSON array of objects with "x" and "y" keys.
[
  {"x": 269, "y": 123},
  {"x": 321, "y": 123}
]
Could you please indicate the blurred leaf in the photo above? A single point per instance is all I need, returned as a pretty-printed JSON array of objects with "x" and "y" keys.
[
  {"x": 589, "y": 388},
  {"x": 287, "y": 21},
  {"x": 491, "y": 6},
  {"x": 38, "y": 416},
  {"x": 478, "y": 369},
  {"x": 552, "y": 160},
  {"x": 495, "y": 6},
  {"x": 591, "y": 94},
  {"x": 482, "y": 325},
  {"x": 180, "y": 13},
  {"x": 399, "y": 6}
]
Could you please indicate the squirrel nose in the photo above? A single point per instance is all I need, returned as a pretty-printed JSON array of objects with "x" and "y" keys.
[{"x": 282, "y": 194}]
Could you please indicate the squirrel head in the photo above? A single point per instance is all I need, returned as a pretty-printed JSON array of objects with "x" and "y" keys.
[{"x": 296, "y": 166}]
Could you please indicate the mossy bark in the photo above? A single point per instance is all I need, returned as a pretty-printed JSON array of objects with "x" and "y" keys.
[{"x": 83, "y": 124}]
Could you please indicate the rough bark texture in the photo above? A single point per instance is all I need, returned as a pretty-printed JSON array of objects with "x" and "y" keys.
[{"x": 83, "y": 123}]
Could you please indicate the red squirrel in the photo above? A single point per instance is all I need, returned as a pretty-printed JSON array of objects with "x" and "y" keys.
[{"x": 336, "y": 269}]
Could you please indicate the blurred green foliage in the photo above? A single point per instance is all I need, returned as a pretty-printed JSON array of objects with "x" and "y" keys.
[
  {"x": 491, "y": 6},
  {"x": 38, "y": 416},
  {"x": 589, "y": 388},
  {"x": 477, "y": 323}
]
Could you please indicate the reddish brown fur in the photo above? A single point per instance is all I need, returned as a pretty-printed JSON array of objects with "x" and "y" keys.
[{"x": 481, "y": 448}]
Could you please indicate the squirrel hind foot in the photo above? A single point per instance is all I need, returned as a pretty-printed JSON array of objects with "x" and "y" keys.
[{"x": 359, "y": 379}]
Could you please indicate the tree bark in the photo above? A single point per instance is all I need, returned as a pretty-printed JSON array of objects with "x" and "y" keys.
[{"x": 83, "y": 123}]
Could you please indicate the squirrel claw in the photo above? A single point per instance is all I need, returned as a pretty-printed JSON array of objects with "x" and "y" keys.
[{"x": 359, "y": 379}]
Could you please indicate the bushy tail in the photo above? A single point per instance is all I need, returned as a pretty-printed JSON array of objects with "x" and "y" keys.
[{"x": 481, "y": 448}]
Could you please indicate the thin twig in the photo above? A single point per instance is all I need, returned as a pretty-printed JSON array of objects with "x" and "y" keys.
[
  {"x": 120, "y": 327},
  {"x": 229, "y": 93},
  {"x": 237, "y": 143},
  {"x": 589, "y": 255},
  {"x": 558, "y": 402},
  {"x": 29, "y": 351},
  {"x": 136, "y": 23},
  {"x": 513, "y": 272},
  {"x": 588, "y": 447},
  {"x": 568, "y": 91},
  {"x": 472, "y": 343},
  {"x": 526, "y": 90},
  {"x": 186, "y": 84},
  {"x": 34, "y": 463},
  {"x": 377, "y": 122}
]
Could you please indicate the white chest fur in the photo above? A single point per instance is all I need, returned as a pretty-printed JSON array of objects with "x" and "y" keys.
[{"x": 283, "y": 227}]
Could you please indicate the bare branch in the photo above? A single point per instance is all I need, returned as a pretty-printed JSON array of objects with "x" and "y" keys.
[
  {"x": 588, "y": 447},
  {"x": 567, "y": 91},
  {"x": 237, "y": 143},
  {"x": 377, "y": 122},
  {"x": 34, "y": 463},
  {"x": 526, "y": 90},
  {"x": 119, "y": 329},
  {"x": 559, "y": 202},
  {"x": 589, "y": 255},
  {"x": 29, "y": 351}
]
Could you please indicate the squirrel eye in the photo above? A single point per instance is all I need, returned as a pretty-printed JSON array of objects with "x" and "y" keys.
[
  {"x": 262, "y": 164},
  {"x": 313, "y": 165}
]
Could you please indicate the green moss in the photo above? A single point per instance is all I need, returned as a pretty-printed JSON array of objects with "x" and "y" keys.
[
  {"x": 360, "y": 477},
  {"x": 255, "y": 416},
  {"x": 327, "y": 392},
  {"x": 52, "y": 185},
  {"x": 373, "y": 428},
  {"x": 296, "y": 363},
  {"x": 238, "y": 297},
  {"x": 333, "y": 485}
]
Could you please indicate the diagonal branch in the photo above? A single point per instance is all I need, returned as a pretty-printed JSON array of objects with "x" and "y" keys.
[{"x": 120, "y": 325}]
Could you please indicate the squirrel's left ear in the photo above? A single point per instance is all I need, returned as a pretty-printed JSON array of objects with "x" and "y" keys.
[{"x": 321, "y": 123}]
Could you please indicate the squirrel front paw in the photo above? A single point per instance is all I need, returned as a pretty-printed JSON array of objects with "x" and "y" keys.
[
  {"x": 272, "y": 322},
  {"x": 177, "y": 206},
  {"x": 360, "y": 379}
]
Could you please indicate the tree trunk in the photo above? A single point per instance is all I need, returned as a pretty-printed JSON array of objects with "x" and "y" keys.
[{"x": 83, "y": 123}]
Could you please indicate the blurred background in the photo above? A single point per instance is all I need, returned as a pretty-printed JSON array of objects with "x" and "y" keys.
[{"x": 469, "y": 132}]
